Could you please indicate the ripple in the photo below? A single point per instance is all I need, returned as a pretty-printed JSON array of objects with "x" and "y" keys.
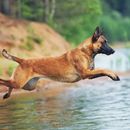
[{"x": 94, "y": 106}]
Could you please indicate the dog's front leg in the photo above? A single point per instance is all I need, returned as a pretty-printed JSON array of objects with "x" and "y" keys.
[
  {"x": 90, "y": 74},
  {"x": 95, "y": 76},
  {"x": 82, "y": 66}
]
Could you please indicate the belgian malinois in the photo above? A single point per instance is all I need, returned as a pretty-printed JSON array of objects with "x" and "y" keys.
[{"x": 70, "y": 67}]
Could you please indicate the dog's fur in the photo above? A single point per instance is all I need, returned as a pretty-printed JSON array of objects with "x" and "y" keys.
[{"x": 70, "y": 67}]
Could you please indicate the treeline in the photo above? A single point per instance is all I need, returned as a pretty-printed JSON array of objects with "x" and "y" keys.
[
  {"x": 116, "y": 19},
  {"x": 75, "y": 19}
]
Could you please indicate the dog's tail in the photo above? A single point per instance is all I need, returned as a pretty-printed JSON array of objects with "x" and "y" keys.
[{"x": 11, "y": 57}]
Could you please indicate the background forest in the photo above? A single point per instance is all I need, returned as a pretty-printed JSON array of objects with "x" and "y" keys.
[{"x": 75, "y": 19}]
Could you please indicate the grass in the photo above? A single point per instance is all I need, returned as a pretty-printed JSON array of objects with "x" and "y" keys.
[
  {"x": 35, "y": 39},
  {"x": 1, "y": 70},
  {"x": 11, "y": 68},
  {"x": 28, "y": 46},
  {"x": 32, "y": 36},
  {"x": 31, "y": 39}
]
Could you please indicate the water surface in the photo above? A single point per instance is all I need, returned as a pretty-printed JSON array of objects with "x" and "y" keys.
[{"x": 99, "y": 105}]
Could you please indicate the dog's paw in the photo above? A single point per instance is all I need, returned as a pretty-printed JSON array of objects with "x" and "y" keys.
[
  {"x": 117, "y": 78},
  {"x": 114, "y": 77},
  {"x": 6, "y": 96},
  {"x": 4, "y": 53}
]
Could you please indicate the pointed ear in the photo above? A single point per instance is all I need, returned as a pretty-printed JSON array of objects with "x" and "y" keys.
[{"x": 96, "y": 34}]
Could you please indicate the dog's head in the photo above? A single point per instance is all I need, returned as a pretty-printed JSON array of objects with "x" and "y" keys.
[{"x": 100, "y": 44}]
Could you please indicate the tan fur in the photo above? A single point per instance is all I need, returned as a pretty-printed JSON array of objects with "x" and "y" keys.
[{"x": 70, "y": 67}]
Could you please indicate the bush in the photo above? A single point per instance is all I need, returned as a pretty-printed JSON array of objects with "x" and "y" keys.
[
  {"x": 116, "y": 27},
  {"x": 28, "y": 45},
  {"x": 77, "y": 20},
  {"x": 1, "y": 71},
  {"x": 10, "y": 69},
  {"x": 32, "y": 36},
  {"x": 35, "y": 39}
]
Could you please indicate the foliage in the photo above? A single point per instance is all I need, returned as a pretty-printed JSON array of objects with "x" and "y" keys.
[
  {"x": 32, "y": 10},
  {"x": 74, "y": 19},
  {"x": 113, "y": 25},
  {"x": 31, "y": 39},
  {"x": 115, "y": 20},
  {"x": 80, "y": 21},
  {"x": 28, "y": 45},
  {"x": 1, "y": 71},
  {"x": 11, "y": 68},
  {"x": 32, "y": 36},
  {"x": 121, "y": 6}
]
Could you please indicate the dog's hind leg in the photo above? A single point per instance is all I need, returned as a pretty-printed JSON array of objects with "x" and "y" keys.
[
  {"x": 7, "y": 95},
  {"x": 8, "y": 84},
  {"x": 11, "y": 57},
  {"x": 31, "y": 84}
]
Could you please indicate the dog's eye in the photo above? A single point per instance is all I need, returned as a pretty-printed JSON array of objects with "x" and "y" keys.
[
  {"x": 105, "y": 40},
  {"x": 102, "y": 42}
]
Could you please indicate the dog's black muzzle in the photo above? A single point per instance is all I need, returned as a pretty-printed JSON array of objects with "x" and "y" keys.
[{"x": 105, "y": 49}]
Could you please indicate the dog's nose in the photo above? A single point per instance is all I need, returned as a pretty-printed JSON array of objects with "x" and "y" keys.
[{"x": 112, "y": 51}]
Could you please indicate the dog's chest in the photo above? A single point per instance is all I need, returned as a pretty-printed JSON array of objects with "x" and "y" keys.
[{"x": 91, "y": 65}]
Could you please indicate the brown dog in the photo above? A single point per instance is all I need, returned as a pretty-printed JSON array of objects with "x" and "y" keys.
[{"x": 70, "y": 67}]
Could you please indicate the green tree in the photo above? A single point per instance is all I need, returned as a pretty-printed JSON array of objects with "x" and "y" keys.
[{"x": 76, "y": 19}]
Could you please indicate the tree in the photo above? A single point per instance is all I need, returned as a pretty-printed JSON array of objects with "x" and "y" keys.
[
  {"x": 76, "y": 19},
  {"x": 49, "y": 9}
]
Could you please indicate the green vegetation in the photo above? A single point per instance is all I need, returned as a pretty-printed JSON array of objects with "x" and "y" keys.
[
  {"x": 37, "y": 39},
  {"x": 115, "y": 20},
  {"x": 31, "y": 39},
  {"x": 74, "y": 19},
  {"x": 127, "y": 45},
  {"x": 1, "y": 71},
  {"x": 80, "y": 20},
  {"x": 28, "y": 45},
  {"x": 11, "y": 68},
  {"x": 32, "y": 36}
]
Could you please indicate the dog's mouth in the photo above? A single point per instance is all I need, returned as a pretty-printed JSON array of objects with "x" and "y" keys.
[{"x": 105, "y": 49}]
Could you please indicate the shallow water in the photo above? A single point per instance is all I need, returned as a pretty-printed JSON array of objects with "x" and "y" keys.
[{"x": 100, "y": 105}]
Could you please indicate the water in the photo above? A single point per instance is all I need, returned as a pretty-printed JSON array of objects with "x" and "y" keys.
[{"x": 99, "y": 105}]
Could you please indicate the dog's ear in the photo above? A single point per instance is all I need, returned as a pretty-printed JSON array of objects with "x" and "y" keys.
[{"x": 96, "y": 34}]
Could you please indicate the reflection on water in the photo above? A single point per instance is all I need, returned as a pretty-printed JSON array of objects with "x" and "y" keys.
[{"x": 97, "y": 106}]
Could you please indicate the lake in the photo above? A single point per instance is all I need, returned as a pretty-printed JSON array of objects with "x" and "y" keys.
[{"x": 97, "y": 105}]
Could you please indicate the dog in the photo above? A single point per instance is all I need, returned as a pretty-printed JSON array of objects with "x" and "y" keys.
[{"x": 70, "y": 67}]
